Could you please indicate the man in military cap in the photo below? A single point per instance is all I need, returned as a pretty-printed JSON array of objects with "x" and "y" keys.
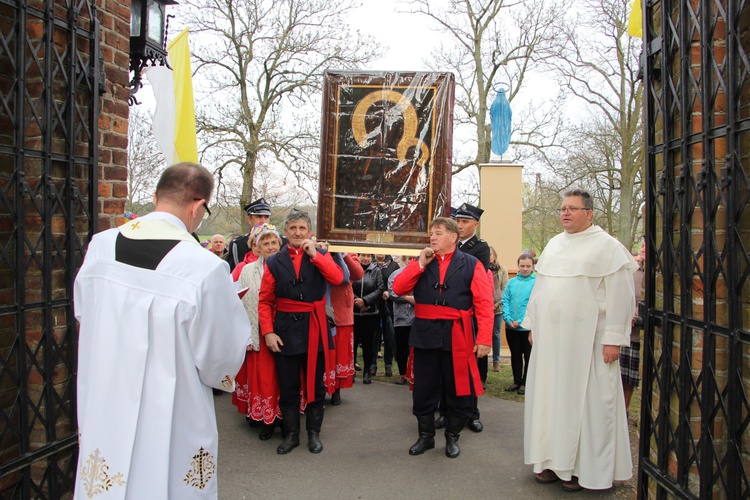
[
  {"x": 257, "y": 212},
  {"x": 467, "y": 217}
]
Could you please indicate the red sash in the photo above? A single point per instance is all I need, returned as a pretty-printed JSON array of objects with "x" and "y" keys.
[
  {"x": 462, "y": 340},
  {"x": 318, "y": 330}
]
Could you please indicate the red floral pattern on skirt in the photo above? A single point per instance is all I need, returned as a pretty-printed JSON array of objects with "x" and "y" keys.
[
  {"x": 256, "y": 393},
  {"x": 344, "y": 357}
]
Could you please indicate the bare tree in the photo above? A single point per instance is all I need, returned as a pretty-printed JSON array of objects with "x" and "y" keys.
[
  {"x": 493, "y": 42},
  {"x": 541, "y": 198},
  {"x": 605, "y": 150},
  {"x": 145, "y": 160},
  {"x": 262, "y": 62}
]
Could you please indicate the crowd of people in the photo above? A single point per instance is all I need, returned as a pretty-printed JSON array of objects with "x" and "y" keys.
[{"x": 304, "y": 313}]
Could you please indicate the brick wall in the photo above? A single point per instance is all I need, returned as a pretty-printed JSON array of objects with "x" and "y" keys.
[{"x": 114, "y": 16}]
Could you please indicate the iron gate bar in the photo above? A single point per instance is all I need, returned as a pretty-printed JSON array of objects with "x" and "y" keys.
[
  {"x": 672, "y": 86},
  {"x": 64, "y": 110}
]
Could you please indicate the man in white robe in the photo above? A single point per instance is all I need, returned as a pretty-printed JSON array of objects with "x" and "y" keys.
[
  {"x": 160, "y": 325},
  {"x": 579, "y": 314}
]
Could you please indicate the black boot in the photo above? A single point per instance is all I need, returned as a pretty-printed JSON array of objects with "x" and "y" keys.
[
  {"x": 291, "y": 430},
  {"x": 452, "y": 430},
  {"x": 313, "y": 423},
  {"x": 266, "y": 432},
  {"x": 440, "y": 422},
  {"x": 426, "y": 441}
]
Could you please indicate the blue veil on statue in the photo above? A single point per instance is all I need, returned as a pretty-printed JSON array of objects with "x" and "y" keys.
[{"x": 500, "y": 117}]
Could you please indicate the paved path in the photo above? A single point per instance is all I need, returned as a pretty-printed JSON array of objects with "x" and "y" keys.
[{"x": 366, "y": 442}]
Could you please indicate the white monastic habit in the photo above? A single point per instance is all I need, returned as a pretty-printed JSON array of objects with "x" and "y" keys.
[
  {"x": 160, "y": 325},
  {"x": 574, "y": 416}
]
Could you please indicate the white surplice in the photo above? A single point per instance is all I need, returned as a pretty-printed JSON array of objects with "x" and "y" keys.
[
  {"x": 574, "y": 418},
  {"x": 152, "y": 344}
]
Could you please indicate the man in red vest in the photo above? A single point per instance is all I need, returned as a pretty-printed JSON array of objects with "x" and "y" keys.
[
  {"x": 449, "y": 287},
  {"x": 292, "y": 317}
]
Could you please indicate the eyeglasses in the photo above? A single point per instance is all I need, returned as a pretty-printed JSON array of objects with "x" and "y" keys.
[
  {"x": 207, "y": 213},
  {"x": 571, "y": 209}
]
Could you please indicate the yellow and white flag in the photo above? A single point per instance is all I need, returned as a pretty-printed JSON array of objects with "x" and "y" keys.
[{"x": 174, "y": 115}]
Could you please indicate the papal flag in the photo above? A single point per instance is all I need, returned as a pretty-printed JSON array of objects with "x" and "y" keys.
[{"x": 174, "y": 115}]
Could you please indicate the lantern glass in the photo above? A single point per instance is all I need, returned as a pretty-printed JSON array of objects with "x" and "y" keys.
[
  {"x": 156, "y": 23},
  {"x": 136, "y": 14}
]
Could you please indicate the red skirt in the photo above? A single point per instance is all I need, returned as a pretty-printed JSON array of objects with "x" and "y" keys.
[
  {"x": 256, "y": 394},
  {"x": 344, "y": 340}
]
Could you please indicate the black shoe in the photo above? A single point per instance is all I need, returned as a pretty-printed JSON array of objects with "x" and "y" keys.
[
  {"x": 451, "y": 446},
  {"x": 452, "y": 432},
  {"x": 522, "y": 390},
  {"x": 336, "y": 398},
  {"x": 266, "y": 432},
  {"x": 313, "y": 423},
  {"x": 475, "y": 425},
  {"x": 290, "y": 424},
  {"x": 374, "y": 371},
  {"x": 426, "y": 441},
  {"x": 291, "y": 441},
  {"x": 313, "y": 442},
  {"x": 512, "y": 388},
  {"x": 217, "y": 392},
  {"x": 357, "y": 368},
  {"x": 440, "y": 422},
  {"x": 423, "y": 444},
  {"x": 367, "y": 378}
]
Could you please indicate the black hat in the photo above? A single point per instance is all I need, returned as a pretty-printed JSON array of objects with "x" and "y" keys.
[
  {"x": 453, "y": 212},
  {"x": 466, "y": 211},
  {"x": 258, "y": 207}
]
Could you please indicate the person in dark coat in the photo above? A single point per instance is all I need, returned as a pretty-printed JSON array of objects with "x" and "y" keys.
[
  {"x": 386, "y": 333},
  {"x": 367, "y": 304},
  {"x": 467, "y": 217},
  {"x": 257, "y": 212}
]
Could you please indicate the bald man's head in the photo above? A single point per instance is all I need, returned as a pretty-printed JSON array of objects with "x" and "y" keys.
[{"x": 218, "y": 244}]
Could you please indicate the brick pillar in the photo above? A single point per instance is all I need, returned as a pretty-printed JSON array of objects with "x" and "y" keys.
[{"x": 113, "y": 121}]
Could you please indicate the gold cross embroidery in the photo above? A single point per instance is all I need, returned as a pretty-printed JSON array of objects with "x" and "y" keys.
[
  {"x": 96, "y": 475},
  {"x": 136, "y": 225},
  {"x": 203, "y": 468}
]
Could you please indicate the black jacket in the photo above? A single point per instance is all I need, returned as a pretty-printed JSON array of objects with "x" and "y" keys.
[
  {"x": 370, "y": 288},
  {"x": 477, "y": 248}
]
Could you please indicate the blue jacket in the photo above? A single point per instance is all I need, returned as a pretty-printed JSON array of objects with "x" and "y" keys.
[{"x": 516, "y": 298}]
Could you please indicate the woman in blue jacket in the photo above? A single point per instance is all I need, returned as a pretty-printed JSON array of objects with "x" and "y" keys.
[{"x": 515, "y": 300}]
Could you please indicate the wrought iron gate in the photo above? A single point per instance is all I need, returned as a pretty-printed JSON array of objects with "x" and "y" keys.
[
  {"x": 695, "y": 439},
  {"x": 49, "y": 98}
]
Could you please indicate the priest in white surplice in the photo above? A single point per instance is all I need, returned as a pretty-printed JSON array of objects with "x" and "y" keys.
[
  {"x": 579, "y": 314},
  {"x": 160, "y": 325}
]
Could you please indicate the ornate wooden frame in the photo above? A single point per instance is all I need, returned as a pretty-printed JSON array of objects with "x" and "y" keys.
[{"x": 385, "y": 163}]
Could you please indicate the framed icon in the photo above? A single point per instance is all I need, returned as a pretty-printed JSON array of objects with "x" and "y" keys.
[{"x": 385, "y": 160}]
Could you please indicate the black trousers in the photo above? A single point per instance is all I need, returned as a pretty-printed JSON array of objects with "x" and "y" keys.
[
  {"x": 520, "y": 352},
  {"x": 402, "y": 347},
  {"x": 288, "y": 369},
  {"x": 482, "y": 365},
  {"x": 433, "y": 375},
  {"x": 365, "y": 328}
]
